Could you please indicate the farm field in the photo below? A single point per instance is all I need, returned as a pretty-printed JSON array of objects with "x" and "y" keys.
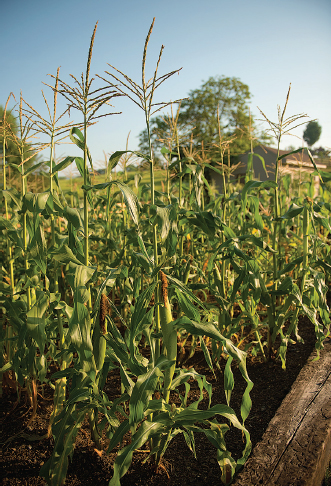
[
  {"x": 75, "y": 184},
  {"x": 271, "y": 384},
  {"x": 148, "y": 317}
]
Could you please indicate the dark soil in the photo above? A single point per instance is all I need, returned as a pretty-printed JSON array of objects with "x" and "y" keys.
[{"x": 22, "y": 456}]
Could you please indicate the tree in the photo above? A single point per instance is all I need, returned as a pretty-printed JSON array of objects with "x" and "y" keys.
[
  {"x": 323, "y": 154},
  {"x": 12, "y": 152},
  {"x": 219, "y": 107},
  {"x": 11, "y": 128},
  {"x": 312, "y": 133}
]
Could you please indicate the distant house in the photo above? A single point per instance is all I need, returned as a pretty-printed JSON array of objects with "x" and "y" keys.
[
  {"x": 296, "y": 165},
  {"x": 100, "y": 171}
]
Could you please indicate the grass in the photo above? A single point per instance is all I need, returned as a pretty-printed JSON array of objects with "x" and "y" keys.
[{"x": 76, "y": 183}]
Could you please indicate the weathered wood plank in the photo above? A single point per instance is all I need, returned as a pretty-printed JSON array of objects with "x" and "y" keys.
[{"x": 296, "y": 448}]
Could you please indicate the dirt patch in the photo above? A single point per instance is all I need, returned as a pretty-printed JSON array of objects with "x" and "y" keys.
[{"x": 21, "y": 458}]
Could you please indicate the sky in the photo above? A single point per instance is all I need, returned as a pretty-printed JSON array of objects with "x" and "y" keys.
[{"x": 266, "y": 44}]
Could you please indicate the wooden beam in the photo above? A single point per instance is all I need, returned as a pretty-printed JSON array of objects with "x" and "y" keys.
[{"x": 296, "y": 448}]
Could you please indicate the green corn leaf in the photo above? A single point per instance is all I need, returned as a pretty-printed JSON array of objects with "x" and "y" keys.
[
  {"x": 16, "y": 167},
  {"x": 67, "y": 373},
  {"x": 185, "y": 290},
  {"x": 290, "y": 153},
  {"x": 144, "y": 252},
  {"x": 64, "y": 255},
  {"x": 16, "y": 311},
  {"x": 144, "y": 388},
  {"x": 118, "y": 351},
  {"x": 182, "y": 377},
  {"x": 130, "y": 200},
  {"x": 32, "y": 168},
  {"x": 65, "y": 429},
  {"x": 249, "y": 168},
  {"x": 186, "y": 305},
  {"x": 140, "y": 311},
  {"x": 206, "y": 354},
  {"x": 145, "y": 432},
  {"x": 260, "y": 243},
  {"x": 63, "y": 164},
  {"x": 157, "y": 405},
  {"x": 165, "y": 150},
  {"x": 6, "y": 224},
  {"x": 80, "y": 166},
  {"x": 262, "y": 161},
  {"x": 163, "y": 220},
  {"x": 190, "y": 441},
  {"x": 120, "y": 432},
  {"x": 74, "y": 217},
  {"x": 143, "y": 261},
  {"x": 35, "y": 203},
  {"x": 290, "y": 266},
  {"x": 110, "y": 279},
  {"x": 189, "y": 416},
  {"x": 324, "y": 265},
  {"x": 36, "y": 320},
  {"x": 38, "y": 249},
  {"x": 256, "y": 185},
  {"x": 77, "y": 138},
  {"x": 208, "y": 329},
  {"x": 79, "y": 328},
  {"x": 126, "y": 381},
  {"x": 314, "y": 164},
  {"x": 116, "y": 156},
  {"x": 6, "y": 367},
  {"x": 257, "y": 216},
  {"x": 206, "y": 221},
  {"x": 79, "y": 394},
  {"x": 54, "y": 203},
  {"x": 214, "y": 169},
  {"x": 206, "y": 183},
  {"x": 293, "y": 211},
  {"x": 12, "y": 197},
  {"x": 129, "y": 196},
  {"x": 237, "y": 284},
  {"x": 228, "y": 380}
]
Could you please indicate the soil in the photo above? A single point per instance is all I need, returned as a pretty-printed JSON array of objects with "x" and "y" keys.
[{"x": 22, "y": 456}]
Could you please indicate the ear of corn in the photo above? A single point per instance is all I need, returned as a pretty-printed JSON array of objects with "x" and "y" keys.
[
  {"x": 169, "y": 335},
  {"x": 99, "y": 332}
]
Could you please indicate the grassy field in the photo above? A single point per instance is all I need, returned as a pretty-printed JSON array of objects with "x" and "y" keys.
[{"x": 76, "y": 183}]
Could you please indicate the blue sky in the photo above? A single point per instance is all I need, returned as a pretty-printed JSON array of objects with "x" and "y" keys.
[{"x": 267, "y": 44}]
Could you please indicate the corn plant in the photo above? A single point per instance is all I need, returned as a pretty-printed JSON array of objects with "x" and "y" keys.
[{"x": 126, "y": 276}]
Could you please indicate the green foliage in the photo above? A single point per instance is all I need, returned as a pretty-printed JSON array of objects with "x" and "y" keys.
[
  {"x": 199, "y": 116},
  {"x": 13, "y": 156},
  {"x": 12, "y": 153},
  {"x": 312, "y": 133},
  {"x": 125, "y": 278}
]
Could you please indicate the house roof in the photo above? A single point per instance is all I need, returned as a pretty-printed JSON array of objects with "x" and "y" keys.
[
  {"x": 299, "y": 156},
  {"x": 295, "y": 160}
]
